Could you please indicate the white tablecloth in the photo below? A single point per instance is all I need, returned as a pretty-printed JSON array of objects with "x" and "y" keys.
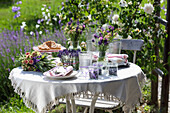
[{"x": 40, "y": 93}]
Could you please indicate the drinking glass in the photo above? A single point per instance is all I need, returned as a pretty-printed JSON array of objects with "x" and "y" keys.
[
  {"x": 115, "y": 47},
  {"x": 84, "y": 60},
  {"x": 112, "y": 67}
]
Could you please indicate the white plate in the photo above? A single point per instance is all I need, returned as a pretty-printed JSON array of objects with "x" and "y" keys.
[{"x": 73, "y": 74}]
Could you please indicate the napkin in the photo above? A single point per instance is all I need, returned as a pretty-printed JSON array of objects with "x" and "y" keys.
[
  {"x": 59, "y": 71},
  {"x": 121, "y": 58}
]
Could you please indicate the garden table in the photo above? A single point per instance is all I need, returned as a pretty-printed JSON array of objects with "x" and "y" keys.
[{"x": 41, "y": 93}]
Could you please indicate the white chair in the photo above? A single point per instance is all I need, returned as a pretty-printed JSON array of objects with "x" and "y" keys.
[{"x": 104, "y": 102}]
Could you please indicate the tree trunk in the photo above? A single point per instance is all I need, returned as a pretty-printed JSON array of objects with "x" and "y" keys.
[{"x": 165, "y": 78}]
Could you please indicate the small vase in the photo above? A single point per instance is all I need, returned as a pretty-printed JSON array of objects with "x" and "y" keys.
[
  {"x": 76, "y": 45},
  {"x": 101, "y": 55}
]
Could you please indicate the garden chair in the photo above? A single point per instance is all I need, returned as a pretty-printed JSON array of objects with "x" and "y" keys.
[{"x": 104, "y": 102}]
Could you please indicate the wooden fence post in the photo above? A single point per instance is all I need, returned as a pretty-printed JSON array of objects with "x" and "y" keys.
[
  {"x": 154, "y": 83},
  {"x": 165, "y": 78}
]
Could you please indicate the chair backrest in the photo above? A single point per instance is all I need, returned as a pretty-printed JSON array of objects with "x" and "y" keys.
[{"x": 132, "y": 44}]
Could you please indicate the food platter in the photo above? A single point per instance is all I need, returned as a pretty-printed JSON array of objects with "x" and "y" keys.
[{"x": 35, "y": 48}]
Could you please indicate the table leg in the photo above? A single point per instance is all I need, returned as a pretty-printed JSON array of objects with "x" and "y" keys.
[
  {"x": 67, "y": 104},
  {"x": 73, "y": 105},
  {"x": 92, "y": 106}
]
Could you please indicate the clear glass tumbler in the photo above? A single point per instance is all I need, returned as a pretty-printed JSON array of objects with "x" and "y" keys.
[
  {"x": 115, "y": 47},
  {"x": 85, "y": 60}
]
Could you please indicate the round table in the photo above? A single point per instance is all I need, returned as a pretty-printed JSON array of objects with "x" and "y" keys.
[{"x": 40, "y": 93}]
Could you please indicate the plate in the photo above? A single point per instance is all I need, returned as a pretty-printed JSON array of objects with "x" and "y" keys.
[
  {"x": 73, "y": 74},
  {"x": 35, "y": 48}
]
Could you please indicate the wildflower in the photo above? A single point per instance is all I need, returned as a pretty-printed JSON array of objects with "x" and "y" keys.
[
  {"x": 20, "y": 2},
  {"x": 54, "y": 18},
  {"x": 46, "y": 17},
  {"x": 123, "y": 3},
  {"x": 130, "y": 3},
  {"x": 47, "y": 10},
  {"x": 105, "y": 26},
  {"x": 31, "y": 33},
  {"x": 27, "y": 53},
  {"x": 40, "y": 32},
  {"x": 50, "y": 24},
  {"x": 129, "y": 37},
  {"x": 115, "y": 17},
  {"x": 43, "y": 13},
  {"x": 39, "y": 21},
  {"x": 42, "y": 9},
  {"x": 37, "y": 26},
  {"x": 93, "y": 40},
  {"x": 48, "y": 14},
  {"x": 14, "y": 9},
  {"x": 118, "y": 37},
  {"x": 148, "y": 8},
  {"x": 89, "y": 17}
]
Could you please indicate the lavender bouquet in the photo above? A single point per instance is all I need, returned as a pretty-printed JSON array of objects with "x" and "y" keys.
[
  {"x": 102, "y": 40},
  {"x": 34, "y": 61}
]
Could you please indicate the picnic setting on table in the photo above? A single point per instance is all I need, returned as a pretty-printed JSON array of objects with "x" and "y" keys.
[
  {"x": 52, "y": 75},
  {"x": 95, "y": 75}
]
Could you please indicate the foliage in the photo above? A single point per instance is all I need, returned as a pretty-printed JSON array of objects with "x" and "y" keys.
[
  {"x": 34, "y": 61},
  {"x": 15, "y": 43}
]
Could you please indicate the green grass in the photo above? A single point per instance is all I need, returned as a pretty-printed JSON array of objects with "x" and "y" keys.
[{"x": 30, "y": 11}]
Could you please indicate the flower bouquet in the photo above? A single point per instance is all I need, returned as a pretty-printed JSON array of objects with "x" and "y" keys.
[
  {"x": 102, "y": 40},
  {"x": 70, "y": 58},
  {"x": 74, "y": 32},
  {"x": 34, "y": 61}
]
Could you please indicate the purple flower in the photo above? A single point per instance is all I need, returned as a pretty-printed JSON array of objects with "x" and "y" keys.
[
  {"x": 57, "y": 15},
  {"x": 112, "y": 28},
  {"x": 100, "y": 42},
  {"x": 71, "y": 20},
  {"x": 62, "y": 8},
  {"x": 19, "y": 8},
  {"x": 84, "y": 26},
  {"x": 105, "y": 42},
  {"x": 20, "y": 2},
  {"x": 95, "y": 36},
  {"x": 42, "y": 20},
  {"x": 13, "y": 59},
  {"x": 14, "y": 9},
  {"x": 62, "y": 3},
  {"x": 7, "y": 50},
  {"x": 108, "y": 31},
  {"x": 59, "y": 21},
  {"x": 78, "y": 22},
  {"x": 39, "y": 21},
  {"x": 163, "y": 7},
  {"x": 100, "y": 34},
  {"x": 136, "y": 21},
  {"x": 49, "y": 7},
  {"x": 69, "y": 23},
  {"x": 93, "y": 40}
]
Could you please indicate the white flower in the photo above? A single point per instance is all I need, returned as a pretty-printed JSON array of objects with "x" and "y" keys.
[
  {"x": 137, "y": 30},
  {"x": 118, "y": 37},
  {"x": 42, "y": 9},
  {"x": 24, "y": 24},
  {"x": 89, "y": 17},
  {"x": 43, "y": 13},
  {"x": 115, "y": 17},
  {"x": 120, "y": 24},
  {"x": 46, "y": 17},
  {"x": 48, "y": 14},
  {"x": 107, "y": 6},
  {"x": 130, "y": 3},
  {"x": 105, "y": 26},
  {"x": 22, "y": 27},
  {"x": 148, "y": 8},
  {"x": 31, "y": 33},
  {"x": 54, "y": 18},
  {"x": 129, "y": 37},
  {"x": 47, "y": 22},
  {"x": 47, "y": 10},
  {"x": 40, "y": 32},
  {"x": 37, "y": 26},
  {"x": 51, "y": 24},
  {"x": 123, "y": 3}
]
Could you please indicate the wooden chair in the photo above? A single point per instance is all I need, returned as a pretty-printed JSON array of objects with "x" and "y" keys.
[{"x": 104, "y": 102}]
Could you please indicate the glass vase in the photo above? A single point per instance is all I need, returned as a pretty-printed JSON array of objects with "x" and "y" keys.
[{"x": 101, "y": 56}]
